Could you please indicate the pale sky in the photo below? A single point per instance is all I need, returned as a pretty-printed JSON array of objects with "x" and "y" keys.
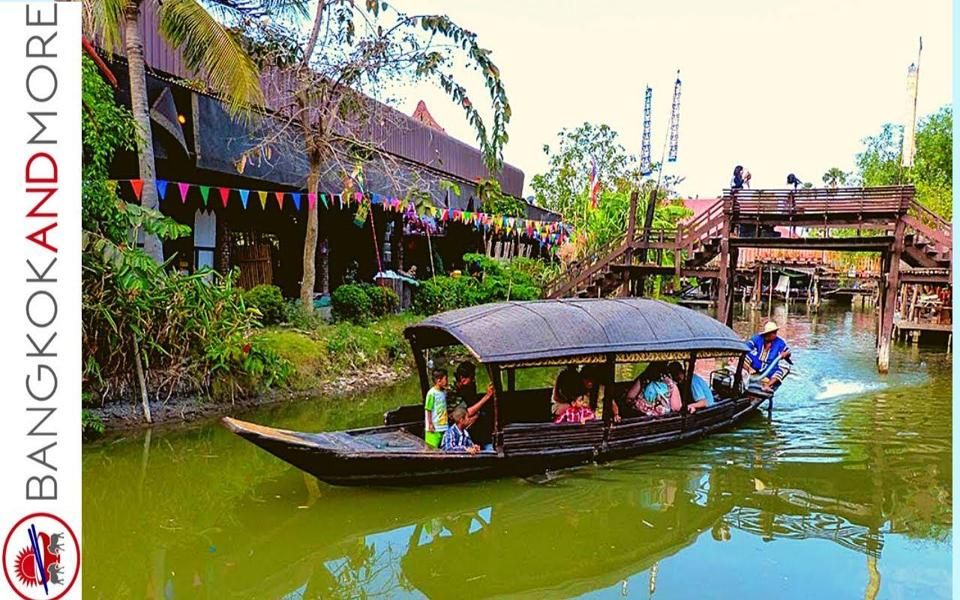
[{"x": 776, "y": 86}]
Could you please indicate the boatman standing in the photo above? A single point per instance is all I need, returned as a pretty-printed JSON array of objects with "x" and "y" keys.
[{"x": 769, "y": 356}]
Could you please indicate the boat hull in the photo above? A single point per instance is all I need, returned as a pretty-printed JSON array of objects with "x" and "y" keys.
[{"x": 390, "y": 455}]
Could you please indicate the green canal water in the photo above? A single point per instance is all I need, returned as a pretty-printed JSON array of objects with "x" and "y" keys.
[{"x": 844, "y": 493}]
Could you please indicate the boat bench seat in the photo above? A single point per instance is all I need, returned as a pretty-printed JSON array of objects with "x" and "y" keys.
[{"x": 527, "y": 406}]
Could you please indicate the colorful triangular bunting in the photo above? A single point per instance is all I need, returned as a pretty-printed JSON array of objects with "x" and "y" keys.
[
  {"x": 184, "y": 188},
  {"x": 224, "y": 196},
  {"x": 162, "y": 188},
  {"x": 137, "y": 185},
  {"x": 263, "y": 199},
  {"x": 205, "y": 193},
  {"x": 243, "y": 197}
]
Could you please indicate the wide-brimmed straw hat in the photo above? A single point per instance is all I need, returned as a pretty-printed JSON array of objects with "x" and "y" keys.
[{"x": 770, "y": 327}]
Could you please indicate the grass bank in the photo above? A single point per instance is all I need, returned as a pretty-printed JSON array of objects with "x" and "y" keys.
[
  {"x": 329, "y": 359},
  {"x": 331, "y": 351}
]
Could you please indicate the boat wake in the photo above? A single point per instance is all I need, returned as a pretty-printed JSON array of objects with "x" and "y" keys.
[{"x": 833, "y": 388}]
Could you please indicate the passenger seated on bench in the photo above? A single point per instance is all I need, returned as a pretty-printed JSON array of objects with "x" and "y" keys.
[
  {"x": 456, "y": 438},
  {"x": 592, "y": 375},
  {"x": 653, "y": 392},
  {"x": 700, "y": 390},
  {"x": 578, "y": 412},
  {"x": 567, "y": 388}
]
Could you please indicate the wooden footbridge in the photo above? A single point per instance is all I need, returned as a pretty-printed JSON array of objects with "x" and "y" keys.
[{"x": 914, "y": 244}]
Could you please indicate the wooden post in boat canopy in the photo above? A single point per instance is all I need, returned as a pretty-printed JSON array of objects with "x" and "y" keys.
[
  {"x": 421, "y": 363},
  {"x": 686, "y": 393},
  {"x": 511, "y": 380},
  {"x": 609, "y": 379},
  {"x": 494, "y": 372}
]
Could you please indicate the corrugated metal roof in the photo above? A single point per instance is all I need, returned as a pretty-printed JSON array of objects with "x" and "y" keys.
[{"x": 408, "y": 138}]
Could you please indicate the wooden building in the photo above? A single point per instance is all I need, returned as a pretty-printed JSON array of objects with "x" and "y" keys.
[{"x": 200, "y": 148}]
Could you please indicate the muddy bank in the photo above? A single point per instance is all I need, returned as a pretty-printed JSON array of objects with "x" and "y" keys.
[{"x": 125, "y": 416}]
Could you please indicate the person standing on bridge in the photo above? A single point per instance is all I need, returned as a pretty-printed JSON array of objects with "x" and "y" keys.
[
  {"x": 768, "y": 357},
  {"x": 736, "y": 183}
]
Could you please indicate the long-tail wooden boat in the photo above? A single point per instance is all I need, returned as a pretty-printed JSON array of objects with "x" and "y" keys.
[{"x": 509, "y": 336}]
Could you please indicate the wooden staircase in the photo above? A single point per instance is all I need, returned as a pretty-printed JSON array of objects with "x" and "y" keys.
[
  {"x": 928, "y": 242},
  {"x": 690, "y": 249}
]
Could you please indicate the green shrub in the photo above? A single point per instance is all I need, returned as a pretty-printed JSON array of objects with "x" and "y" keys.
[
  {"x": 91, "y": 424},
  {"x": 299, "y": 317},
  {"x": 268, "y": 300},
  {"x": 383, "y": 300},
  {"x": 351, "y": 302},
  {"x": 444, "y": 293}
]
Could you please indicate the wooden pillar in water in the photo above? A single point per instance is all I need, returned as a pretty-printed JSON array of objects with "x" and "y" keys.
[
  {"x": 757, "y": 298},
  {"x": 770, "y": 291},
  {"x": 723, "y": 281},
  {"x": 726, "y": 279},
  {"x": 724, "y": 284},
  {"x": 888, "y": 296},
  {"x": 732, "y": 284}
]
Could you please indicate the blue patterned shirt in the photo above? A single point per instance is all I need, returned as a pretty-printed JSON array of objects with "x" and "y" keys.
[{"x": 455, "y": 440}]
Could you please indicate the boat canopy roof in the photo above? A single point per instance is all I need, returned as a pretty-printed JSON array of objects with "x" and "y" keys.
[{"x": 546, "y": 332}]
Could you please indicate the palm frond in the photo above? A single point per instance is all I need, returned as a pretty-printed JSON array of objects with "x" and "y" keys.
[
  {"x": 103, "y": 22},
  {"x": 258, "y": 8},
  {"x": 213, "y": 52}
]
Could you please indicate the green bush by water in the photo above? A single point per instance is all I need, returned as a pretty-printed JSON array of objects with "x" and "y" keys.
[
  {"x": 340, "y": 349},
  {"x": 268, "y": 300},
  {"x": 485, "y": 280},
  {"x": 360, "y": 303}
]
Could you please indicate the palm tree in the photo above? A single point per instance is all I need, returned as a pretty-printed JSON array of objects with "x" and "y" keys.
[
  {"x": 834, "y": 177},
  {"x": 208, "y": 49}
]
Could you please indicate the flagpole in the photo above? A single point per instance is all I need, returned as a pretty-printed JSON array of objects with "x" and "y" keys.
[{"x": 913, "y": 119}]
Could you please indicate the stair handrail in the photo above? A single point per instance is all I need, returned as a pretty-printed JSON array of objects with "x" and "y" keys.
[
  {"x": 602, "y": 256},
  {"x": 929, "y": 217},
  {"x": 701, "y": 227},
  {"x": 586, "y": 267},
  {"x": 930, "y": 233}
]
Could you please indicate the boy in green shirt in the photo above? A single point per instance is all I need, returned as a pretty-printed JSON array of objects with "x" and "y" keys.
[{"x": 435, "y": 410}]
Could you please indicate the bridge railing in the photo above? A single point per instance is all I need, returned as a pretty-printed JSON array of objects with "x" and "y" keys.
[
  {"x": 707, "y": 225},
  {"x": 817, "y": 202},
  {"x": 580, "y": 270}
]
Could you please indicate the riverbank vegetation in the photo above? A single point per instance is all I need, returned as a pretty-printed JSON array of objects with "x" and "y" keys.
[
  {"x": 150, "y": 331},
  {"x": 879, "y": 163},
  {"x": 592, "y": 155},
  {"x": 344, "y": 349},
  {"x": 153, "y": 335}
]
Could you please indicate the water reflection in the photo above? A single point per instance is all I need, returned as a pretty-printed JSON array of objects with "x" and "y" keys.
[{"x": 843, "y": 493}]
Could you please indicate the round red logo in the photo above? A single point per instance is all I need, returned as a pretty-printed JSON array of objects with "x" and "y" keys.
[{"x": 41, "y": 557}]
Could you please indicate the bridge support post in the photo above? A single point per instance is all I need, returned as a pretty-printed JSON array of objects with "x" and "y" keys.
[
  {"x": 726, "y": 282},
  {"x": 756, "y": 299},
  {"x": 813, "y": 291},
  {"x": 723, "y": 283},
  {"x": 888, "y": 297}
]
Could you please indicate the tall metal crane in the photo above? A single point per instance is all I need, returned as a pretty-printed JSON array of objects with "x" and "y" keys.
[
  {"x": 675, "y": 121},
  {"x": 646, "y": 164}
]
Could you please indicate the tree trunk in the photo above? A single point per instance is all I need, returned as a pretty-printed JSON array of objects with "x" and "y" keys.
[
  {"x": 310, "y": 238},
  {"x": 141, "y": 380},
  {"x": 141, "y": 114}
]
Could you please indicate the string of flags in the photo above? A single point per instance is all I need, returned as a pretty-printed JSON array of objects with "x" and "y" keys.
[{"x": 548, "y": 233}]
